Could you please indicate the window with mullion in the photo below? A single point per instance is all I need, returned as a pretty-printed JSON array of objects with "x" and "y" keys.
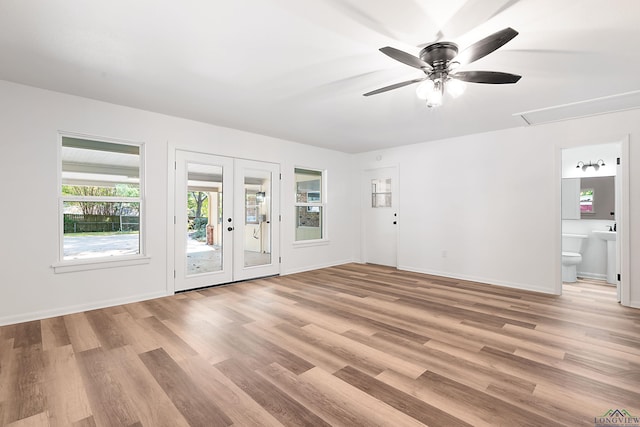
[
  {"x": 309, "y": 205},
  {"x": 101, "y": 200}
]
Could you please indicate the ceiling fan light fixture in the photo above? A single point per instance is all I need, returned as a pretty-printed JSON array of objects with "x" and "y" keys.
[
  {"x": 424, "y": 89},
  {"x": 455, "y": 87},
  {"x": 434, "y": 96}
]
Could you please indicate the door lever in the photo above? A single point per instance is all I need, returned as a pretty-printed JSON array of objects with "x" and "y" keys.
[{"x": 230, "y": 229}]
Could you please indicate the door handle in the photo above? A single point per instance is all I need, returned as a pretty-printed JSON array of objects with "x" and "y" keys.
[{"x": 230, "y": 229}]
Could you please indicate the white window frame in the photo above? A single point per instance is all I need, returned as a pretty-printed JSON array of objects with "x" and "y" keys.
[
  {"x": 322, "y": 203},
  {"x": 66, "y": 266}
]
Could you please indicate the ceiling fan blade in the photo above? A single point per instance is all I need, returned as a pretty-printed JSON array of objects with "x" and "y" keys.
[
  {"x": 394, "y": 86},
  {"x": 490, "y": 77},
  {"x": 405, "y": 58},
  {"x": 485, "y": 46}
]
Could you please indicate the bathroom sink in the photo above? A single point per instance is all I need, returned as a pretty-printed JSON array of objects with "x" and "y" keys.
[
  {"x": 610, "y": 238},
  {"x": 605, "y": 235}
]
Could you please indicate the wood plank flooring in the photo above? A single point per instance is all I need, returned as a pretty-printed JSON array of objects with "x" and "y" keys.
[{"x": 353, "y": 345}]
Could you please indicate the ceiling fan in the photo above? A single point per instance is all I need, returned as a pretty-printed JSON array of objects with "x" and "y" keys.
[{"x": 439, "y": 62}]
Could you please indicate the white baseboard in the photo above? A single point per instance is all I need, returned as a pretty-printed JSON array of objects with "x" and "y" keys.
[
  {"x": 316, "y": 267},
  {"x": 522, "y": 286},
  {"x": 44, "y": 314},
  {"x": 597, "y": 276}
]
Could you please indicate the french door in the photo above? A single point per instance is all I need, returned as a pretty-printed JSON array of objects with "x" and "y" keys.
[{"x": 226, "y": 220}]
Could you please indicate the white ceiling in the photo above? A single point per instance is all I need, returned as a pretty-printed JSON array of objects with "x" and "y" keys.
[{"x": 297, "y": 69}]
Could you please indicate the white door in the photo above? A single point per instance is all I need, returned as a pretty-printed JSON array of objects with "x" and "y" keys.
[
  {"x": 380, "y": 216},
  {"x": 203, "y": 249},
  {"x": 618, "y": 212},
  {"x": 256, "y": 219},
  {"x": 223, "y": 220}
]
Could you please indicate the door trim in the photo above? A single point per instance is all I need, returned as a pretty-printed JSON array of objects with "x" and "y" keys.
[
  {"x": 625, "y": 255},
  {"x": 623, "y": 222},
  {"x": 172, "y": 148}
]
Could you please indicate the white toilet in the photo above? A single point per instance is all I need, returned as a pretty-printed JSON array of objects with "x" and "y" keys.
[{"x": 571, "y": 255}]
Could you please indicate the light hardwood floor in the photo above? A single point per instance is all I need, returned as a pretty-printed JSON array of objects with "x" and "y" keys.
[{"x": 348, "y": 345}]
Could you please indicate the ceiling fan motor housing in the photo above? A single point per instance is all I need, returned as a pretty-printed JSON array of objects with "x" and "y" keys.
[{"x": 438, "y": 55}]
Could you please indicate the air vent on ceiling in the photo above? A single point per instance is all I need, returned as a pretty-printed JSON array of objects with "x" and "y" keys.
[{"x": 590, "y": 107}]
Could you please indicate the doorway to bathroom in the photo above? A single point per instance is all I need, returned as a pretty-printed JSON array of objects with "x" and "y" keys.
[{"x": 594, "y": 218}]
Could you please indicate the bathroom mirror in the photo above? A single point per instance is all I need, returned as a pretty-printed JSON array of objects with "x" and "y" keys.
[{"x": 588, "y": 198}]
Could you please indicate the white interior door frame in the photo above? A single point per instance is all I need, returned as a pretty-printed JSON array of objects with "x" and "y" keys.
[{"x": 622, "y": 220}]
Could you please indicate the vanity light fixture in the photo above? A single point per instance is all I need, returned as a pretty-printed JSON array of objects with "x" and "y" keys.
[{"x": 595, "y": 165}]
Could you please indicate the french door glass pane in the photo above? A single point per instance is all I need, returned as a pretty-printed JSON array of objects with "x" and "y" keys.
[
  {"x": 257, "y": 217},
  {"x": 204, "y": 218}
]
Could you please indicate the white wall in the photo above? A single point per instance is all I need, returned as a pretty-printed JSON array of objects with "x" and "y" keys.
[
  {"x": 492, "y": 201},
  {"x": 29, "y": 121},
  {"x": 479, "y": 199}
]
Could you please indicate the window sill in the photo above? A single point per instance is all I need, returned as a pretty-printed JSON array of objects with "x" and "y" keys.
[
  {"x": 98, "y": 263},
  {"x": 309, "y": 243}
]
